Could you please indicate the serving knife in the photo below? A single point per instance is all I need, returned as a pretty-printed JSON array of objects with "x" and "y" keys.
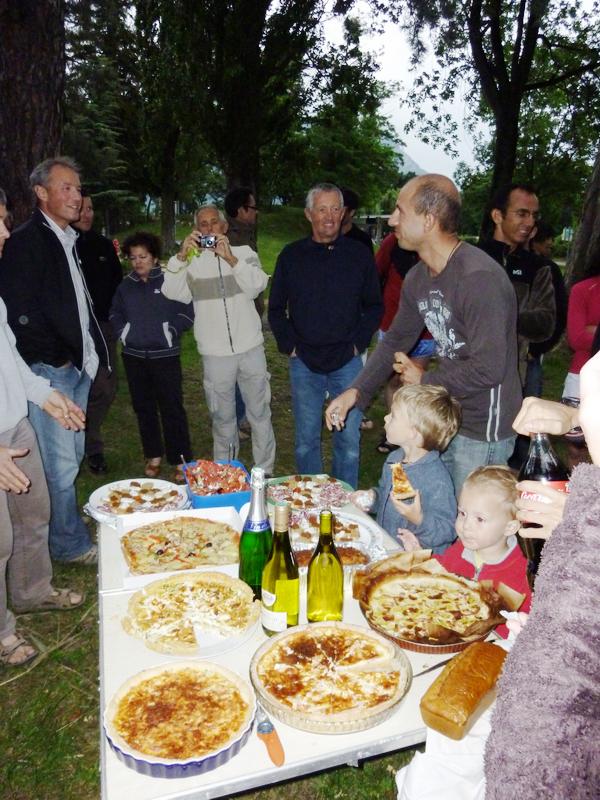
[
  {"x": 265, "y": 730},
  {"x": 435, "y": 666}
]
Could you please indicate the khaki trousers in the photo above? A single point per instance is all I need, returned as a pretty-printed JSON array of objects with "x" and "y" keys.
[{"x": 24, "y": 557}]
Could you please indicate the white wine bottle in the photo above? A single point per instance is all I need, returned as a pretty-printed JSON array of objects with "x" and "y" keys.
[
  {"x": 280, "y": 583},
  {"x": 325, "y": 584}
]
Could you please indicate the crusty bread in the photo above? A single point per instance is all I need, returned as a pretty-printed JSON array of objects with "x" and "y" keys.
[{"x": 452, "y": 699}]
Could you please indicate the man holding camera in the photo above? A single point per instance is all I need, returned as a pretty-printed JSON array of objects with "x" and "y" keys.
[{"x": 222, "y": 282}]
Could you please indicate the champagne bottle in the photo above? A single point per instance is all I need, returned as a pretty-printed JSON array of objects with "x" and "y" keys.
[
  {"x": 255, "y": 541},
  {"x": 542, "y": 465},
  {"x": 325, "y": 597},
  {"x": 280, "y": 583}
]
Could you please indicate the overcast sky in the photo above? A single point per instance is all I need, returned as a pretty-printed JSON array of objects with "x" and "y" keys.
[{"x": 392, "y": 53}]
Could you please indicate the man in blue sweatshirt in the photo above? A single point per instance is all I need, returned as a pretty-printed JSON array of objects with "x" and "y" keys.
[{"x": 324, "y": 307}]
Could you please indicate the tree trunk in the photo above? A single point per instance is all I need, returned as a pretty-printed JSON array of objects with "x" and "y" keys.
[
  {"x": 32, "y": 73},
  {"x": 167, "y": 220},
  {"x": 585, "y": 254},
  {"x": 505, "y": 155}
]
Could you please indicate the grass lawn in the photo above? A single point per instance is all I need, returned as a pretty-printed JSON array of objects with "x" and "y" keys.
[{"x": 49, "y": 737}]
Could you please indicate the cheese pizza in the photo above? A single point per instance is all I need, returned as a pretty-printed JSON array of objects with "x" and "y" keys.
[
  {"x": 167, "y": 614},
  {"x": 179, "y": 712},
  {"x": 401, "y": 486},
  {"x": 179, "y": 543},
  {"x": 329, "y": 676}
]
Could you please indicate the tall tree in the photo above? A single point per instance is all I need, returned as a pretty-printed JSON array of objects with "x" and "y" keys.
[
  {"x": 493, "y": 49},
  {"x": 32, "y": 70},
  {"x": 342, "y": 137}
]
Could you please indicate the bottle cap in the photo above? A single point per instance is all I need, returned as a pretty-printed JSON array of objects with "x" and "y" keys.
[
  {"x": 257, "y": 477},
  {"x": 282, "y": 513},
  {"x": 325, "y": 521}
]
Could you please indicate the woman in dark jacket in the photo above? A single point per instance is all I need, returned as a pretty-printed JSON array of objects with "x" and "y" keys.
[{"x": 149, "y": 326}]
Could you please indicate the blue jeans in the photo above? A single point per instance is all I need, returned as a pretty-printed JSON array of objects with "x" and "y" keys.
[
  {"x": 308, "y": 396},
  {"x": 464, "y": 455},
  {"x": 62, "y": 452}
]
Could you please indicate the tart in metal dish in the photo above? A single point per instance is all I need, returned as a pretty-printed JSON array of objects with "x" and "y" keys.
[
  {"x": 330, "y": 677},
  {"x": 180, "y": 719},
  {"x": 166, "y": 614}
]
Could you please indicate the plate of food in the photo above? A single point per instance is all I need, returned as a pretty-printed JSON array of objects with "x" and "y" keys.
[
  {"x": 179, "y": 543},
  {"x": 187, "y": 733},
  {"x": 309, "y": 492},
  {"x": 423, "y": 608},
  {"x": 196, "y": 614},
  {"x": 217, "y": 483},
  {"x": 117, "y": 499},
  {"x": 357, "y": 538},
  {"x": 330, "y": 677}
]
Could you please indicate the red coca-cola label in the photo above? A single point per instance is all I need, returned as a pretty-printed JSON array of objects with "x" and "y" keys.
[{"x": 560, "y": 486}]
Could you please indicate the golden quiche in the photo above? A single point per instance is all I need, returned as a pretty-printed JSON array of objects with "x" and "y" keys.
[
  {"x": 180, "y": 711},
  {"x": 330, "y": 677},
  {"x": 166, "y": 614},
  {"x": 427, "y": 608}
]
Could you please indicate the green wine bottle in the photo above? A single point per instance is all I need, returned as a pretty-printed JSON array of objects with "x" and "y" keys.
[
  {"x": 325, "y": 598},
  {"x": 280, "y": 583},
  {"x": 255, "y": 541}
]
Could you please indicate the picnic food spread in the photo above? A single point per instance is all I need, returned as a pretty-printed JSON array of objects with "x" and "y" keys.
[
  {"x": 208, "y": 478},
  {"x": 452, "y": 699},
  {"x": 167, "y": 614},
  {"x": 411, "y": 598},
  {"x": 179, "y": 543},
  {"x": 331, "y": 677},
  {"x": 202, "y": 708}
]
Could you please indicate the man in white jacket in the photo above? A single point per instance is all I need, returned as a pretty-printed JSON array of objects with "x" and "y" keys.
[{"x": 222, "y": 282}]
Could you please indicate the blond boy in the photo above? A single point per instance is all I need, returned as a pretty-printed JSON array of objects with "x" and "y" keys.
[{"x": 422, "y": 421}]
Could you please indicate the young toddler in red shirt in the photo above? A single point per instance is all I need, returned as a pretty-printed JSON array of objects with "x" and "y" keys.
[{"x": 486, "y": 524}]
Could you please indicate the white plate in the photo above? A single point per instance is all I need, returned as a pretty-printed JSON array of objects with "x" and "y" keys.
[{"x": 99, "y": 496}]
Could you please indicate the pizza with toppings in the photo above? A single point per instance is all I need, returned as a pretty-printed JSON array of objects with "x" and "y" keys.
[
  {"x": 309, "y": 492},
  {"x": 179, "y": 712},
  {"x": 401, "y": 486},
  {"x": 179, "y": 543},
  {"x": 167, "y": 614},
  {"x": 427, "y": 608},
  {"x": 330, "y": 674}
]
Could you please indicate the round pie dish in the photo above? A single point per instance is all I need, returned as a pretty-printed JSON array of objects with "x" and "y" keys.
[
  {"x": 158, "y": 767},
  {"x": 340, "y": 678}
]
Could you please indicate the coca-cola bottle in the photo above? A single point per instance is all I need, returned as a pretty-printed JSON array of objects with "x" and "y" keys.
[{"x": 542, "y": 464}]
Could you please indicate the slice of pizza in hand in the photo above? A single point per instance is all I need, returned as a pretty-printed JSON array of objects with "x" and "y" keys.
[{"x": 401, "y": 486}]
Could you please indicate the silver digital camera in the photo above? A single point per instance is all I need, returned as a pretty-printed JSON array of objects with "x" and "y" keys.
[{"x": 209, "y": 241}]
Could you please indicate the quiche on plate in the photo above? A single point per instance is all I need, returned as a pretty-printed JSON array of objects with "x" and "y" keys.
[{"x": 172, "y": 614}]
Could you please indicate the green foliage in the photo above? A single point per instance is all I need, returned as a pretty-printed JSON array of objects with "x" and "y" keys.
[
  {"x": 343, "y": 138},
  {"x": 505, "y": 59}
]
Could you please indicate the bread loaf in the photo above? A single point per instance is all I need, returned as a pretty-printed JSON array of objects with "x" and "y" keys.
[{"x": 452, "y": 699}]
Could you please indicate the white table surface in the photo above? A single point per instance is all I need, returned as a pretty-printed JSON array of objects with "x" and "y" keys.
[{"x": 122, "y": 656}]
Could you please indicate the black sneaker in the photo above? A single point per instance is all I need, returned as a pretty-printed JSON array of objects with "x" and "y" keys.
[{"x": 97, "y": 464}]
